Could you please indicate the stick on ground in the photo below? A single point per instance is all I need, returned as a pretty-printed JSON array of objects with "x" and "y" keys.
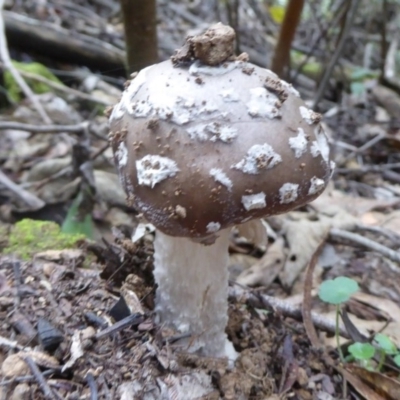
[{"x": 8, "y": 65}]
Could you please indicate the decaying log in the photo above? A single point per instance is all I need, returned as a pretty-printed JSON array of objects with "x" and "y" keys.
[{"x": 50, "y": 40}]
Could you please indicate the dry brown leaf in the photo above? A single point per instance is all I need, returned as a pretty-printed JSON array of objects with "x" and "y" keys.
[
  {"x": 365, "y": 327},
  {"x": 389, "y": 307},
  {"x": 239, "y": 263},
  {"x": 14, "y": 365},
  {"x": 266, "y": 269},
  {"x": 382, "y": 384},
  {"x": 254, "y": 231},
  {"x": 360, "y": 386},
  {"x": 356, "y": 206},
  {"x": 303, "y": 238},
  {"x": 47, "y": 168},
  {"x": 75, "y": 255},
  {"x": 304, "y": 233},
  {"x": 391, "y": 221},
  {"x": 78, "y": 344}
]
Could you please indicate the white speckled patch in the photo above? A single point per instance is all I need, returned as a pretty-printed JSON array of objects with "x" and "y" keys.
[
  {"x": 308, "y": 115},
  {"x": 221, "y": 177},
  {"x": 153, "y": 169},
  {"x": 298, "y": 143},
  {"x": 288, "y": 193},
  {"x": 332, "y": 166},
  {"x": 197, "y": 68},
  {"x": 224, "y": 133},
  {"x": 121, "y": 155},
  {"x": 320, "y": 146},
  {"x": 258, "y": 157},
  {"x": 315, "y": 150},
  {"x": 186, "y": 102},
  {"x": 229, "y": 95},
  {"x": 198, "y": 132},
  {"x": 254, "y": 201},
  {"x": 208, "y": 108},
  {"x": 127, "y": 96},
  {"x": 213, "y": 227},
  {"x": 141, "y": 109},
  {"x": 316, "y": 185},
  {"x": 289, "y": 87},
  {"x": 263, "y": 104}
]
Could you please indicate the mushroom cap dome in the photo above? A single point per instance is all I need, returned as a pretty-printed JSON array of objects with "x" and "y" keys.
[{"x": 200, "y": 148}]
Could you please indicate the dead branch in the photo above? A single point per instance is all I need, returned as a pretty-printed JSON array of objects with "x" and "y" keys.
[
  {"x": 53, "y": 41},
  {"x": 287, "y": 309},
  {"x": 336, "y": 55},
  {"x": 47, "y": 392},
  {"x": 365, "y": 242},
  {"x": 307, "y": 298},
  {"x": 65, "y": 89},
  {"x": 43, "y": 128},
  {"x": 31, "y": 200},
  {"x": 8, "y": 65}
]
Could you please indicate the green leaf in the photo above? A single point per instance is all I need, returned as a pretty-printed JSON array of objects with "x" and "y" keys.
[
  {"x": 338, "y": 290},
  {"x": 359, "y": 74},
  {"x": 277, "y": 13},
  {"x": 396, "y": 359},
  {"x": 362, "y": 351},
  {"x": 385, "y": 344},
  {"x": 357, "y": 88}
]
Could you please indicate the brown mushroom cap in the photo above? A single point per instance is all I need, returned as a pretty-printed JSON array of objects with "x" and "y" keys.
[{"x": 202, "y": 148}]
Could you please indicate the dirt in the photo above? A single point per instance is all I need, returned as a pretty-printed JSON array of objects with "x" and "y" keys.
[{"x": 73, "y": 299}]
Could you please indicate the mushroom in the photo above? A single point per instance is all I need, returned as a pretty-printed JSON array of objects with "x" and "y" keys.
[{"x": 204, "y": 142}]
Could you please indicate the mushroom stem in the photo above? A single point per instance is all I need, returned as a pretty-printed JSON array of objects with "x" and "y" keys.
[{"x": 192, "y": 294}]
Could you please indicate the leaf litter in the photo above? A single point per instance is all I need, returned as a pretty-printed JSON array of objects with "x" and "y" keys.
[{"x": 127, "y": 355}]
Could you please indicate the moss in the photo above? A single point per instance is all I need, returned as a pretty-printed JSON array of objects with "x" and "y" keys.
[{"x": 29, "y": 237}]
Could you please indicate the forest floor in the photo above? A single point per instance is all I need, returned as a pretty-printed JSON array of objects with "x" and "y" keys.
[{"x": 77, "y": 320}]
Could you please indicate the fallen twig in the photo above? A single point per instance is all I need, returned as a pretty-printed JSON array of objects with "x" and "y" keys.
[
  {"x": 48, "y": 394},
  {"x": 368, "y": 168},
  {"x": 31, "y": 200},
  {"x": 43, "y": 128},
  {"x": 239, "y": 292},
  {"x": 26, "y": 378},
  {"x": 366, "y": 146},
  {"x": 92, "y": 386},
  {"x": 65, "y": 89},
  {"x": 11, "y": 344},
  {"x": 368, "y": 243},
  {"x": 8, "y": 65},
  {"x": 134, "y": 319},
  {"x": 307, "y": 298}
]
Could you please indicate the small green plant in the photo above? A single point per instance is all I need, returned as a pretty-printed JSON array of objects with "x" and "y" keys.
[
  {"x": 337, "y": 291},
  {"x": 363, "y": 353},
  {"x": 78, "y": 220},
  {"x": 386, "y": 348}
]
